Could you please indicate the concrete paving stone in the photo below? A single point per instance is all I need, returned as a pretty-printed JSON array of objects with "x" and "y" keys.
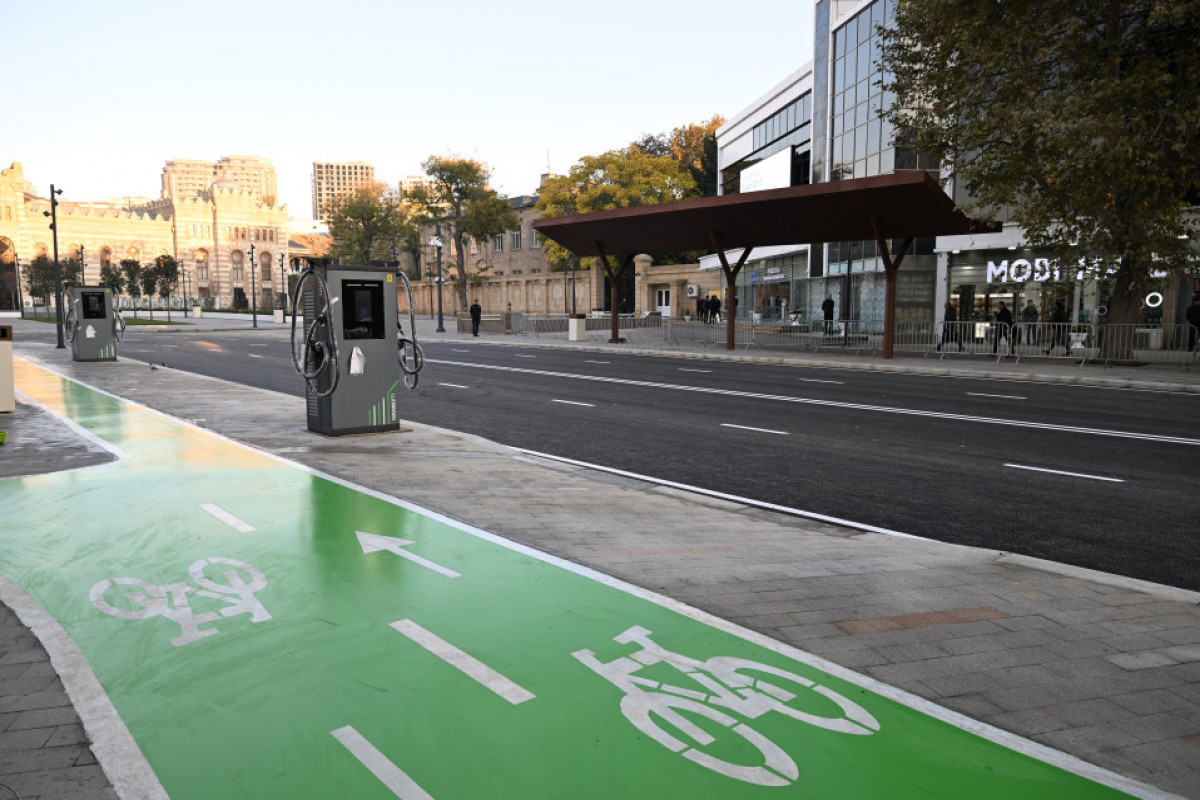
[
  {"x": 1157, "y": 727},
  {"x": 1088, "y": 739},
  {"x": 905, "y": 676},
  {"x": 29, "y": 739},
  {"x": 45, "y": 717},
  {"x": 955, "y": 684},
  {"x": 971, "y": 705},
  {"x": 1183, "y": 673},
  {"x": 1031, "y": 622},
  {"x": 1167, "y": 764},
  {"x": 90, "y": 794},
  {"x": 1135, "y": 642},
  {"x": 858, "y": 659},
  {"x": 6, "y": 719},
  {"x": 1025, "y": 698},
  {"x": 70, "y": 782},
  {"x": 1079, "y": 649},
  {"x": 67, "y": 734},
  {"x": 26, "y": 652},
  {"x": 1178, "y": 628},
  {"x": 1027, "y": 722},
  {"x": 1030, "y": 675},
  {"x": 44, "y": 758},
  {"x": 41, "y": 679},
  {"x": 51, "y": 698},
  {"x": 1183, "y": 653},
  {"x": 806, "y": 633},
  {"x": 1143, "y": 660},
  {"x": 996, "y": 659},
  {"x": 1093, "y": 711},
  {"x": 12, "y": 672},
  {"x": 901, "y": 653},
  {"x": 972, "y": 644}
]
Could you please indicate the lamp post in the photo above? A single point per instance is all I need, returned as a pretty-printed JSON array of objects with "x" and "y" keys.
[
  {"x": 436, "y": 241},
  {"x": 53, "y": 215},
  {"x": 283, "y": 292},
  {"x": 253, "y": 289},
  {"x": 82, "y": 268},
  {"x": 184, "y": 274},
  {"x": 20, "y": 297}
]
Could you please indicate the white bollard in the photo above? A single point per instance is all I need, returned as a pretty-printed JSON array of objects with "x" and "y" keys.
[{"x": 8, "y": 401}]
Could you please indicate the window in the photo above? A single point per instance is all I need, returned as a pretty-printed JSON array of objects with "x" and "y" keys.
[
  {"x": 236, "y": 271},
  {"x": 516, "y": 239},
  {"x": 498, "y": 243},
  {"x": 201, "y": 259},
  {"x": 265, "y": 272},
  {"x": 535, "y": 238}
]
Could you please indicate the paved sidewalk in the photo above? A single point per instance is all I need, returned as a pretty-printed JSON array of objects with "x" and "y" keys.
[{"x": 1103, "y": 668}]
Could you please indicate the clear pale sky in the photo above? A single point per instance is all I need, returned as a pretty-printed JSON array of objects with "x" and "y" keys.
[{"x": 98, "y": 96}]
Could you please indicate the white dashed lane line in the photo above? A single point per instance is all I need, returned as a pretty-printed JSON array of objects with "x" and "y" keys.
[
  {"x": 1068, "y": 474},
  {"x": 999, "y": 396},
  {"x": 756, "y": 430},
  {"x": 574, "y": 403}
]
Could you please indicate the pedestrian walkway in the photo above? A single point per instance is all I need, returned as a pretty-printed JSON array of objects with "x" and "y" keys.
[{"x": 1092, "y": 667}]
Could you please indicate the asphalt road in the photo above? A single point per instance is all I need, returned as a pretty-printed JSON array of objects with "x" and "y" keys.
[{"x": 1100, "y": 478}]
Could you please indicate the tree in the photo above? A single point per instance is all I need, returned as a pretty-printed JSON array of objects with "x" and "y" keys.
[
  {"x": 111, "y": 276},
  {"x": 39, "y": 276},
  {"x": 365, "y": 222},
  {"x": 616, "y": 179},
  {"x": 1087, "y": 132},
  {"x": 148, "y": 280},
  {"x": 459, "y": 196},
  {"x": 694, "y": 146},
  {"x": 133, "y": 273},
  {"x": 166, "y": 268},
  {"x": 70, "y": 270}
]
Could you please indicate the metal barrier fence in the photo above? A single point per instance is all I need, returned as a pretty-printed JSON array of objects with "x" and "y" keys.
[{"x": 1057, "y": 340}]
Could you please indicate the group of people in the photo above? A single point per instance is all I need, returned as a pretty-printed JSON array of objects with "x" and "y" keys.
[
  {"x": 1005, "y": 323},
  {"x": 708, "y": 309}
]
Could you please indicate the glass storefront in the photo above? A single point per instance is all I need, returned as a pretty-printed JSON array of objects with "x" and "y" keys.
[{"x": 977, "y": 281}]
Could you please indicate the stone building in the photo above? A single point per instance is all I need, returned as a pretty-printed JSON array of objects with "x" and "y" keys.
[{"x": 210, "y": 229}]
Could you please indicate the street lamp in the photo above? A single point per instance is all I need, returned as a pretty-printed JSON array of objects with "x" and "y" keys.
[
  {"x": 436, "y": 241},
  {"x": 283, "y": 284},
  {"x": 58, "y": 299},
  {"x": 82, "y": 268},
  {"x": 253, "y": 289}
]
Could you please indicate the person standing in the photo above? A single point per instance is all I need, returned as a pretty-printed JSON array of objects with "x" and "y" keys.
[
  {"x": 950, "y": 331},
  {"x": 1004, "y": 321},
  {"x": 476, "y": 316},
  {"x": 1193, "y": 318},
  {"x": 827, "y": 309},
  {"x": 715, "y": 307},
  {"x": 1058, "y": 328},
  {"x": 1029, "y": 318}
]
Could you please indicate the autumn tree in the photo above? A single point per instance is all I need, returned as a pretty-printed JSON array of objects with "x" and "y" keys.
[
  {"x": 459, "y": 198},
  {"x": 1088, "y": 132},
  {"x": 694, "y": 148},
  {"x": 616, "y": 179},
  {"x": 364, "y": 224}
]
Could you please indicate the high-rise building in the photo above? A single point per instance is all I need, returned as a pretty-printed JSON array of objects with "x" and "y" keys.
[
  {"x": 412, "y": 183},
  {"x": 190, "y": 178},
  {"x": 331, "y": 179}
]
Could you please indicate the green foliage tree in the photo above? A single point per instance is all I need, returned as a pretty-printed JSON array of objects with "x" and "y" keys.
[
  {"x": 459, "y": 197},
  {"x": 71, "y": 270},
  {"x": 166, "y": 269},
  {"x": 113, "y": 277},
  {"x": 39, "y": 278},
  {"x": 1088, "y": 132},
  {"x": 132, "y": 268},
  {"x": 365, "y": 222},
  {"x": 616, "y": 179},
  {"x": 148, "y": 280}
]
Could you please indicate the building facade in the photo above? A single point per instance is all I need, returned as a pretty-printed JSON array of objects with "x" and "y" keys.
[
  {"x": 332, "y": 179},
  {"x": 229, "y": 237},
  {"x": 824, "y": 123}
]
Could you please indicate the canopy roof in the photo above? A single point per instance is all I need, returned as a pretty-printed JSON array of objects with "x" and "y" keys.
[{"x": 898, "y": 205}]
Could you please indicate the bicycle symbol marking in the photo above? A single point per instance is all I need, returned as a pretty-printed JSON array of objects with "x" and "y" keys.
[
  {"x": 728, "y": 685},
  {"x": 145, "y": 600}
]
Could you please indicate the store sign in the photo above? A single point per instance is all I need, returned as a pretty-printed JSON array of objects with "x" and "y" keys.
[
  {"x": 1040, "y": 269},
  {"x": 770, "y": 173}
]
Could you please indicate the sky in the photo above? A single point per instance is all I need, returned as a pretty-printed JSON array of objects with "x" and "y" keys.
[{"x": 99, "y": 96}]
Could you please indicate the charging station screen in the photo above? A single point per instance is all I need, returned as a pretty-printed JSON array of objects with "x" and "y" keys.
[
  {"x": 363, "y": 310},
  {"x": 93, "y": 305}
]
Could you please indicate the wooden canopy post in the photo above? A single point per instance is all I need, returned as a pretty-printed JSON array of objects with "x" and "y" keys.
[
  {"x": 614, "y": 291},
  {"x": 891, "y": 265},
  {"x": 731, "y": 274}
]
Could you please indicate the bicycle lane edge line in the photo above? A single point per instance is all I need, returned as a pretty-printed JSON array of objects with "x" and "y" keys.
[{"x": 1000, "y": 737}]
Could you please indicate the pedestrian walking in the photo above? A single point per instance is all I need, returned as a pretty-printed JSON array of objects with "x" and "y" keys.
[
  {"x": 1193, "y": 318},
  {"x": 1058, "y": 328},
  {"x": 1029, "y": 318},
  {"x": 476, "y": 316},
  {"x": 715, "y": 306},
  {"x": 950, "y": 331},
  {"x": 1004, "y": 321},
  {"x": 827, "y": 309}
]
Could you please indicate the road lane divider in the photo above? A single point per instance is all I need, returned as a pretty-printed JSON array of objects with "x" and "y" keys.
[
  {"x": 749, "y": 428},
  {"x": 229, "y": 519},
  {"x": 1068, "y": 474},
  {"x": 464, "y": 662},
  {"x": 380, "y": 765},
  {"x": 997, "y": 396},
  {"x": 573, "y": 403}
]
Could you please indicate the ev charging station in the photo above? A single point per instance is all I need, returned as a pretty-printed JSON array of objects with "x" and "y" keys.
[
  {"x": 94, "y": 326},
  {"x": 352, "y": 352}
]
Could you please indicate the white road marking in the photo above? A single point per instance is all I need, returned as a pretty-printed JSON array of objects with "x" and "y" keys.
[
  {"x": 226, "y": 517},
  {"x": 574, "y": 403},
  {"x": 453, "y": 385},
  {"x": 812, "y": 401},
  {"x": 372, "y": 542},
  {"x": 597, "y": 362},
  {"x": 818, "y": 380},
  {"x": 252, "y": 345},
  {"x": 748, "y": 428},
  {"x": 453, "y": 350},
  {"x": 380, "y": 765},
  {"x": 689, "y": 369},
  {"x": 467, "y": 664},
  {"x": 1001, "y": 396},
  {"x": 1069, "y": 474},
  {"x": 254, "y": 355},
  {"x": 522, "y": 355}
]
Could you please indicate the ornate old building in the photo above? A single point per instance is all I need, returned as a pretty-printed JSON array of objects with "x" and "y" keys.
[{"x": 211, "y": 217}]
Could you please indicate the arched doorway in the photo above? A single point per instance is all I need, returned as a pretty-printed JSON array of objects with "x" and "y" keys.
[{"x": 9, "y": 293}]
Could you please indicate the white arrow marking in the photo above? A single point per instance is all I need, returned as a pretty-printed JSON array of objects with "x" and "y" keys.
[
  {"x": 381, "y": 767},
  {"x": 372, "y": 543},
  {"x": 465, "y": 662}
]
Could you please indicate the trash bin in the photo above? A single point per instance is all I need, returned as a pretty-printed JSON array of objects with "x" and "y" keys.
[
  {"x": 577, "y": 328},
  {"x": 7, "y": 394}
]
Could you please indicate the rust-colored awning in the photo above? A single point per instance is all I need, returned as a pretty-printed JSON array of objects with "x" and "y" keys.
[
  {"x": 902, "y": 205},
  {"x": 883, "y": 208}
]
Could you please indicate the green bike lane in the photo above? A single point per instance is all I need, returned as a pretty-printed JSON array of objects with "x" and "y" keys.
[{"x": 265, "y": 631}]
